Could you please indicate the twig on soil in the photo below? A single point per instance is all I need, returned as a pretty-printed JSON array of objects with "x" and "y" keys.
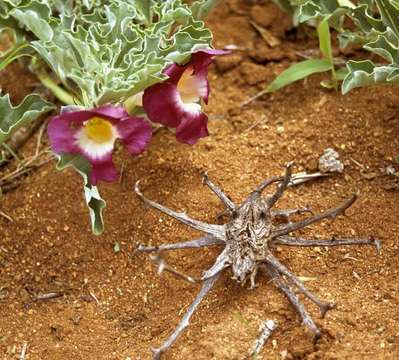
[
  {"x": 19, "y": 138},
  {"x": 9, "y": 187},
  {"x": 25, "y": 166},
  {"x": 11, "y": 180},
  {"x": 266, "y": 35},
  {"x": 256, "y": 123},
  {"x": 94, "y": 298},
  {"x": 122, "y": 173},
  {"x": 266, "y": 329},
  {"x": 44, "y": 297},
  {"x": 358, "y": 163},
  {"x": 164, "y": 266},
  {"x": 23, "y": 351},
  {"x": 40, "y": 136},
  {"x": 11, "y": 152},
  {"x": 8, "y": 217},
  {"x": 253, "y": 98}
]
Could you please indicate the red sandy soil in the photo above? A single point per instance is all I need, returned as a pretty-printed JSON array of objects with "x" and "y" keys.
[{"x": 49, "y": 246}]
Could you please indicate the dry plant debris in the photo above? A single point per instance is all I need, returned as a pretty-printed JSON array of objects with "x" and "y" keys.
[
  {"x": 248, "y": 241},
  {"x": 330, "y": 162}
]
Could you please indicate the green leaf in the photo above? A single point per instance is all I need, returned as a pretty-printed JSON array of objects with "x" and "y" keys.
[
  {"x": 12, "y": 118},
  {"x": 202, "y": 8},
  {"x": 35, "y": 17},
  {"x": 341, "y": 73},
  {"x": 365, "y": 21},
  {"x": 389, "y": 14},
  {"x": 334, "y": 10},
  {"x": 366, "y": 73},
  {"x": 299, "y": 71},
  {"x": 93, "y": 199},
  {"x": 323, "y": 31},
  {"x": 105, "y": 51},
  {"x": 384, "y": 48},
  {"x": 15, "y": 53},
  {"x": 145, "y": 8}
]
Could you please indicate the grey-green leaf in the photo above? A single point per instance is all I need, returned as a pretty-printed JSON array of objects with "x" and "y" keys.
[
  {"x": 14, "y": 117},
  {"x": 299, "y": 71},
  {"x": 92, "y": 196},
  {"x": 35, "y": 17},
  {"x": 366, "y": 73},
  {"x": 202, "y": 8},
  {"x": 104, "y": 52}
]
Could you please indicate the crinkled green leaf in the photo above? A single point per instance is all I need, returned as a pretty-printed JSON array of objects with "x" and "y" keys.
[
  {"x": 93, "y": 199},
  {"x": 144, "y": 7},
  {"x": 364, "y": 19},
  {"x": 317, "y": 9},
  {"x": 380, "y": 35},
  {"x": 35, "y": 16},
  {"x": 14, "y": 117},
  {"x": 366, "y": 73},
  {"x": 334, "y": 10},
  {"x": 202, "y": 8},
  {"x": 389, "y": 14},
  {"x": 106, "y": 51},
  {"x": 382, "y": 47},
  {"x": 299, "y": 71},
  {"x": 375, "y": 26}
]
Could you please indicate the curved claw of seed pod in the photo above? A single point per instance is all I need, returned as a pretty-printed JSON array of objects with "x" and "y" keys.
[
  {"x": 377, "y": 244},
  {"x": 327, "y": 307},
  {"x": 156, "y": 353}
]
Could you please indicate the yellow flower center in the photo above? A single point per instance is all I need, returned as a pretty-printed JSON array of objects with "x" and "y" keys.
[{"x": 99, "y": 130}]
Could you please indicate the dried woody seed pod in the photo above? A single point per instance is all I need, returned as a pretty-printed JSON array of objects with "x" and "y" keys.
[{"x": 248, "y": 241}]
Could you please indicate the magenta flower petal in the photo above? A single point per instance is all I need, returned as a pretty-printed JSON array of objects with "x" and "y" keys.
[
  {"x": 110, "y": 111},
  {"x": 174, "y": 102},
  {"x": 162, "y": 104},
  {"x": 62, "y": 134},
  {"x": 75, "y": 117},
  {"x": 135, "y": 134},
  {"x": 174, "y": 72},
  {"x": 92, "y": 134},
  {"x": 192, "y": 127},
  {"x": 103, "y": 171}
]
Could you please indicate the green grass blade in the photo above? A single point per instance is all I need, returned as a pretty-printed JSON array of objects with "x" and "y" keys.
[
  {"x": 323, "y": 31},
  {"x": 299, "y": 71}
]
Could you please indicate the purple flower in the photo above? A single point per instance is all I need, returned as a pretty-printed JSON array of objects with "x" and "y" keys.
[
  {"x": 92, "y": 134},
  {"x": 176, "y": 102}
]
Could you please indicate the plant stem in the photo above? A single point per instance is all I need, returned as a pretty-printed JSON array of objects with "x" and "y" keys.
[
  {"x": 61, "y": 94},
  {"x": 13, "y": 54},
  {"x": 334, "y": 76}
]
